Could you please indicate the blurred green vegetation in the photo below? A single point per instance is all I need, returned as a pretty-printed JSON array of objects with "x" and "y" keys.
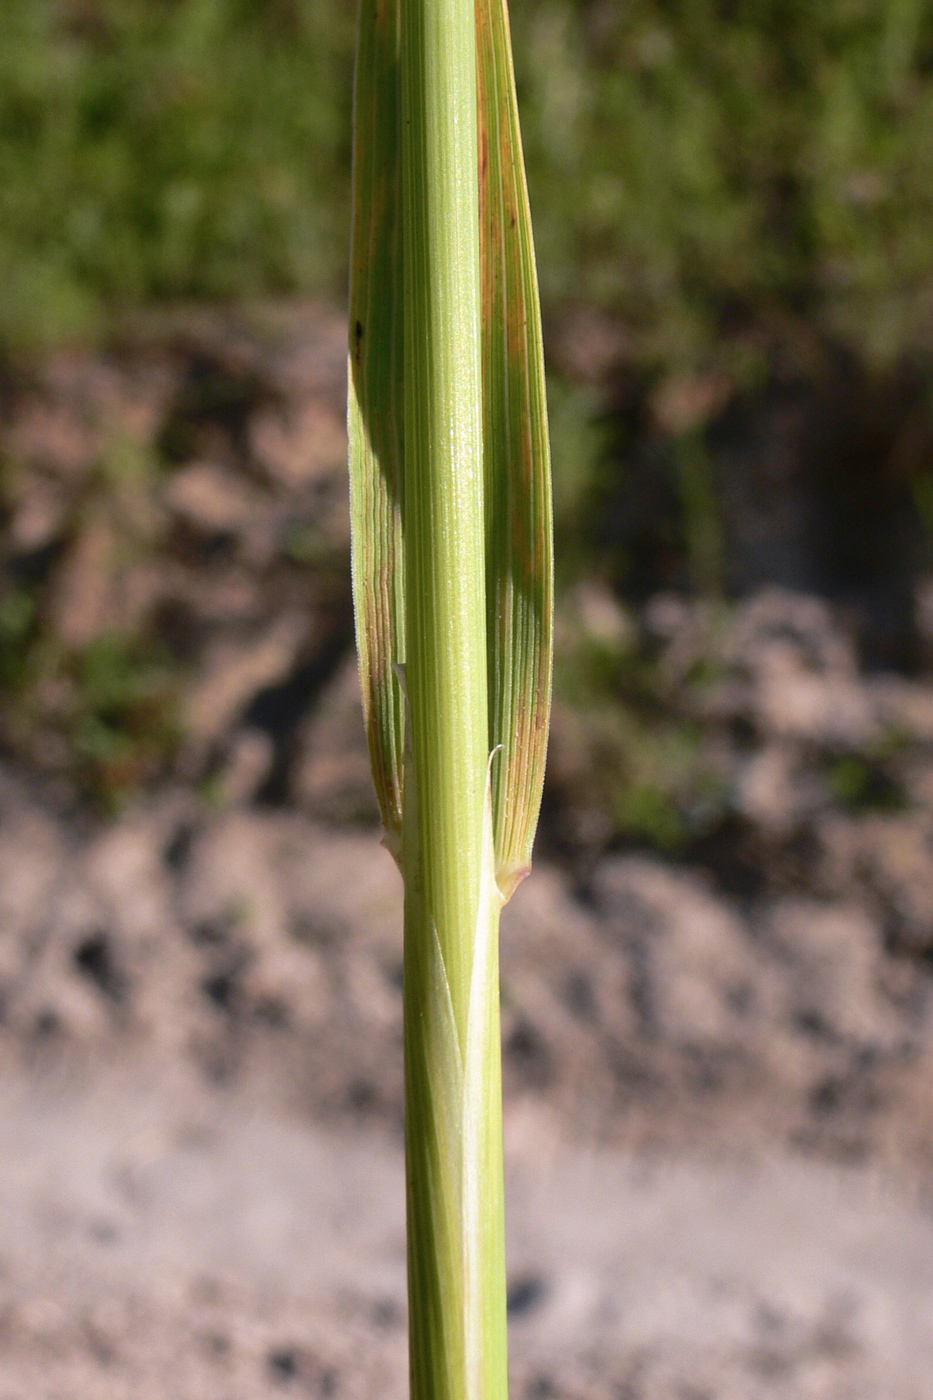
[
  {"x": 103, "y": 712},
  {"x": 157, "y": 150},
  {"x": 95, "y": 699},
  {"x": 705, "y": 166},
  {"x": 629, "y": 758},
  {"x": 707, "y": 170}
]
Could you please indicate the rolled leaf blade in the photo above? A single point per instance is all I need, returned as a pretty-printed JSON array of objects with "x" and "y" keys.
[
  {"x": 375, "y": 410},
  {"x": 519, "y": 550}
]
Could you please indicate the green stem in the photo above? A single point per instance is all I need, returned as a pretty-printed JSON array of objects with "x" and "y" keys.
[{"x": 453, "y": 1093}]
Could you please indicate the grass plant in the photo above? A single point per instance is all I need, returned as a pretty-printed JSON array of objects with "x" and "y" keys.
[{"x": 452, "y": 562}]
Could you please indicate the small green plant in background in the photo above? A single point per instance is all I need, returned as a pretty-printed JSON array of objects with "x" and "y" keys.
[
  {"x": 869, "y": 781},
  {"x": 91, "y": 692},
  {"x": 629, "y": 760},
  {"x": 121, "y": 722},
  {"x": 452, "y": 564},
  {"x": 104, "y": 716}
]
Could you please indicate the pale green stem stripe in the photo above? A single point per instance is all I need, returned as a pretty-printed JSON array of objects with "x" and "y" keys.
[
  {"x": 457, "y": 1312},
  {"x": 442, "y": 466}
]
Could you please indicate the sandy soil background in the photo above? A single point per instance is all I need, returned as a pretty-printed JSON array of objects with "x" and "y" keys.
[{"x": 718, "y": 1125}]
